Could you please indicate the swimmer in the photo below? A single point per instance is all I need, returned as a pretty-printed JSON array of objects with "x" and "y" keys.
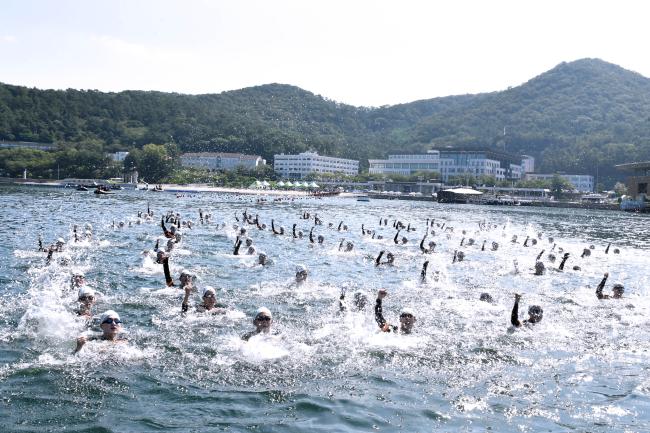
[
  {"x": 359, "y": 300},
  {"x": 535, "y": 313},
  {"x": 86, "y": 298},
  {"x": 390, "y": 259},
  {"x": 432, "y": 246},
  {"x": 111, "y": 326},
  {"x": 406, "y": 318},
  {"x": 78, "y": 280},
  {"x": 495, "y": 246},
  {"x": 171, "y": 233},
  {"x": 262, "y": 321},
  {"x": 617, "y": 290},
  {"x": 276, "y": 232},
  {"x": 539, "y": 268},
  {"x": 301, "y": 274},
  {"x": 209, "y": 304}
]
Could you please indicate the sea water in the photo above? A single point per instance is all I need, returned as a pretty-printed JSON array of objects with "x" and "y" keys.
[{"x": 585, "y": 367}]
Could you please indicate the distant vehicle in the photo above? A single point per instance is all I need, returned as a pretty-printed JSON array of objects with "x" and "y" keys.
[{"x": 363, "y": 198}]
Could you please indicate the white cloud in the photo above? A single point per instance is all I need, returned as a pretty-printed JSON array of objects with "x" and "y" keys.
[{"x": 8, "y": 39}]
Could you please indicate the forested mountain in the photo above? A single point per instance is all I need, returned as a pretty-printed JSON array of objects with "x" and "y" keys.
[{"x": 574, "y": 118}]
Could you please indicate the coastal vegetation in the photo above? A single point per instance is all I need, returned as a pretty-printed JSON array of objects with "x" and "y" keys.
[{"x": 581, "y": 117}]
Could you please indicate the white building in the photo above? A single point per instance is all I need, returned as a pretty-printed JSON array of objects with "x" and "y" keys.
[
  {"x": 581, "y": 182},
  {"x": 406, "y": 165},
  {"x": 528, "y": 163},
  {"x": 221, "y": 161},
  {"x": 119, "y": 156},
  {"x": 298, "y": 166},
  {"x": 476, "y": 162}
]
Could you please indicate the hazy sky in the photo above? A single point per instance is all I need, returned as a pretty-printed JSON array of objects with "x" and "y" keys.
[{"x": 367, "y": 53}]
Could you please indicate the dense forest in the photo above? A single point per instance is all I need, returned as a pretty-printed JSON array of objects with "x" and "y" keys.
[{"x": 579, "y": 117}]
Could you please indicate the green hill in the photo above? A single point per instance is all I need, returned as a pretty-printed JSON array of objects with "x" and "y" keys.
[{"x": 574, "y": 118}]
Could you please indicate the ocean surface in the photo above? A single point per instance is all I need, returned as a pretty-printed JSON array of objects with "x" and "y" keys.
[{"x": 584, "y": 368}]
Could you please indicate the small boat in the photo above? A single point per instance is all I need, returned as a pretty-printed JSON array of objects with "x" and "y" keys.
[
  {"x": 363, "y": 198},
  {"x": 102, "y": 191}
]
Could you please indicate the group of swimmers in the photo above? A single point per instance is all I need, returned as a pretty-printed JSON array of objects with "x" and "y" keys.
[{"x": 171, "y": 225}]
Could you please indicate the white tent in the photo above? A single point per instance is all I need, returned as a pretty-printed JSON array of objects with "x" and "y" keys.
[
  {"x": 256, "y": 185},
  {"x": 280, "y": 184},
  {"x": 465, "y": 191},
  {"x": 288, "y": 183},
  {"x": 265, "y": 183},
  {"x": 298, "y": 185},
  {"x": 314, "y": 185}
]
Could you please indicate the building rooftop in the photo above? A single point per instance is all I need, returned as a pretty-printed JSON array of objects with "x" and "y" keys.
[
  {"x": 633, "y": 166},
  {"x": 220, "y": 155}
]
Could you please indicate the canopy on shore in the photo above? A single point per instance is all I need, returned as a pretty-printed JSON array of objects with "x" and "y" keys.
[
  {"x": 314, "y": 185},
  {"x": 465, "y": 191},
  {"x": 255, "y": 185},
  {"x": 280, "y": 184},
  {"x": 288, "y": 183}
]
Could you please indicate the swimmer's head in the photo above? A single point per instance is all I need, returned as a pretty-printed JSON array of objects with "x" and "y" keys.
[
  {"x": 262, "y": 258},
  {"x": 460, "y": 256},
  {"x": 186, "y": 277},
  {"x": 551, "y": 258},
  {"x": 321, "y": 238},
  {"x": 586, "y": 252},
  {"x": 349, "y": 246},
  {"x": 576, "y": 268},
  {"x": 78, "y": 279},
  {"x": 173, "y": 229},
  {"x": 301, "y": 273},
  {"x": 495, "y": 246},
  {"x": 618, "y": 290},
  {"x": 209, "y": 297},
  {"x": 60, "y": 241},
  {"x": 360, "y": 300},
  {"x": 86, "y": 295},
  {"x": 535, "y": 313},
  {"x": 407, "y": 320},
  {"x": 539, "y": 268},
  {"x": 534, "y": 241},
  {"x": 486, "y": 297},
  {"x": 249, "y": 242},
  {"x": 251, "y": 250},
  {"x": 110, "y": 324},
  {"x": 263, "y": 319},
  {"x": 617, "y": 251}
]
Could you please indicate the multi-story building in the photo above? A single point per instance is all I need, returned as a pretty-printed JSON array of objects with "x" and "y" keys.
[
  {"x": 299, "y": 166},
  {"x": 221, "y": 161},
  {"x": 406, "y": 164},
  {"x": 478, "y": 161},
  {"x": 581, "y": 182},
  {"x": 528, "y": 163}
]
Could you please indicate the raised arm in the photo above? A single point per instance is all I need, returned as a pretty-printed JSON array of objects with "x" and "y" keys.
[
  {"x": 379, "y": 316},
  {"x": 422, "y": 243},
  {"x": 564, "y": 259},
  {"x": 311, "y": 235},
  {"x": 168, "y": 275},
  {"x": 423, "y": 273},
  {"x": 378, "y": 259},
  {"x": 514, "y": 317},
  {"x": 237, "y": 246},
  {"x": 601, "y": 286},
  {"x": 395, "y": 238}
]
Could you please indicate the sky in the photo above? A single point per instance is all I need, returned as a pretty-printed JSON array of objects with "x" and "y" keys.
[{"x": 363, "y": 53}]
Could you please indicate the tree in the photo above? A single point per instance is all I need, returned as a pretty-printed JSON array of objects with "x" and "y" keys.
[
  {"x": 620, "y": 189},
  {"x": 152, "y": 162},
  {"x": 558, "y": 185}
]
